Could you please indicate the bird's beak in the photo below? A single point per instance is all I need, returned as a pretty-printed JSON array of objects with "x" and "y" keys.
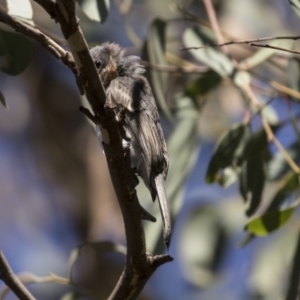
[{"x": 112, "y": 65}]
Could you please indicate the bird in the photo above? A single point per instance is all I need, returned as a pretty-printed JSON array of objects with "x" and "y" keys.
[{"x": 131, "y": 97}]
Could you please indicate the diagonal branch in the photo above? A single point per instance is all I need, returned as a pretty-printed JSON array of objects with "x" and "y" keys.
[
  {"x": 139, "y": 265},
  {"x": 12, "y": 281},
  {"x": 273, "y": 47},
  {"x": 50, "y": 45},
  {"x": 213, "y": 20},
  {"x": 245, "y": 42}
]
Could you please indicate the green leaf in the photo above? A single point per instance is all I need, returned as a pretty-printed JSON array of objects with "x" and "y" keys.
[
  {"x": 102, "y": 246},
  {"x": 209, "y": 56},
  {"x": 228, "y": 177},
  {"x": 296, "y": 6},
  {"x": 293, "y": 290},
  {"x": 269, "y": 222},
  {"x": 70, "y": 296},
  {"x": 271, "y": 264},
  {"x": 21, "y": 9},
  {"x": 252, "y": 180},
  {"x": 294, "y": 75},
  {"x": 246, "y": 240},
  {"x": 290, "y": 184},
  {"x": 257, "y": 144},
  {"x": 107, "y": 246},
  {"x": 201, "y": 245},
  {"x": 242, "y": 79},
  {"x": 2, "y": 100},
  {"x": 204, "y": 84},
  {"x": 154, "y": 52},
  {"x": 95, "y": 10},
  {"x": 258, "y": 57},
  {"x": 253, "y": 164},
  {"x": 228, "y": 147},
  {"x": 18, "y": 52}
]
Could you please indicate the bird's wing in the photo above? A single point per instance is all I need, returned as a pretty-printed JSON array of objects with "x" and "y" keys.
[{"x": 141, "y": 120}]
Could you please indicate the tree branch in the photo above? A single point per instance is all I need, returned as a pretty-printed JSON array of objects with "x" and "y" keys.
[
  {"x": 12, "y": 281},
  {"x": 245, "y": 42},
  {"x": 294, "y": 282},
  {"x": 49, "y": 44},
  {"x": 273, "y": 47},
  {"x": 213, "y": 20},
  {"x": 139, "y": 265}
]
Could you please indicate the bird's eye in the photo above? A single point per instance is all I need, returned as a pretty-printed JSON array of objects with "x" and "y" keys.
[{"x": 98, "y": 64}]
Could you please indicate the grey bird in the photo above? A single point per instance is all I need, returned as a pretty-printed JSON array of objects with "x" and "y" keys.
[{"x": 129, "y": 93}]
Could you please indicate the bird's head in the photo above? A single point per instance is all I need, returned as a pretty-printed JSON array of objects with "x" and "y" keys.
[
  {"x": 107, "y": 58},
  {"x": 110, "y": 62}
]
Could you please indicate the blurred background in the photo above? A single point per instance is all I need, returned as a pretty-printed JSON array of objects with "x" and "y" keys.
[{"x": 56, "y": 192}]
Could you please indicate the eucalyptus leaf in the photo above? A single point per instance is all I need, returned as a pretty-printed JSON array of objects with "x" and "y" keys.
[
  {"x": 95, "y": 10},
  {"x": 242, "y": 79},
  {"x": 70, "y": 296},
  {"x": 290, "y": 184},
  {"x": 17, "y": 51},
  {"x": 209, "y": 56},
  {"x": 21, "y": 9},
  {"x": 107, "y": 246},
  {"x": 154, "y": 51},
  {"x": 294, "y": 74},
  {"x": 203, "y": 85},
  {"x": 269, "y": 222},
  {"x": 201, "y": 244},
  {"x": 252, "y": 180},
  {"x": 293, "y": 289},
  {"x": 253, "y": 169},
  {"x": 101, "y": 246},
  {"x": 226, "y": 150},
  {"x": 296, "y": 6},
  {"x": 258, "y": 143},
  {"x": 269, "y": 269},
  {"x": 2, "y": 100},
  {"x": 258, "y": 57}
]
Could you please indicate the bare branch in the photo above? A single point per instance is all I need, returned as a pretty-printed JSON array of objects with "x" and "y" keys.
[
  {"x": 12, "y": 281},
  {"x": 29, "y": 278},
  {"x": 245, "y": 42},
  {"x": 273, "y": 47},
  {"x": 213, "y": 21},
  {"x": 50, "y": 45},
  {"x": 138, "y": 267},
  {"x": 270, "y": 135}
]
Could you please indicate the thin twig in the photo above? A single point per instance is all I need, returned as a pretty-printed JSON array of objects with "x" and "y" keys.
[
  {"x": 245, "y": 42},
  {"x": 12, "y": 281},
  {"x": 284, "y": 89},
  {"x": 259, "y": 111},
  {"x": 29, "y": 278},
  {"x": 213, "y": 21},
  {"x": 272, "y": 138},
  {"x": 270, "y": 135},
  {"x": 273, "y": 47},
  {"x": 50, "y": 45}
]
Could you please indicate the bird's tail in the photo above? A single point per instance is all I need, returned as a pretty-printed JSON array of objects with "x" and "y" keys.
[{"x": 164, "y": 209}]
